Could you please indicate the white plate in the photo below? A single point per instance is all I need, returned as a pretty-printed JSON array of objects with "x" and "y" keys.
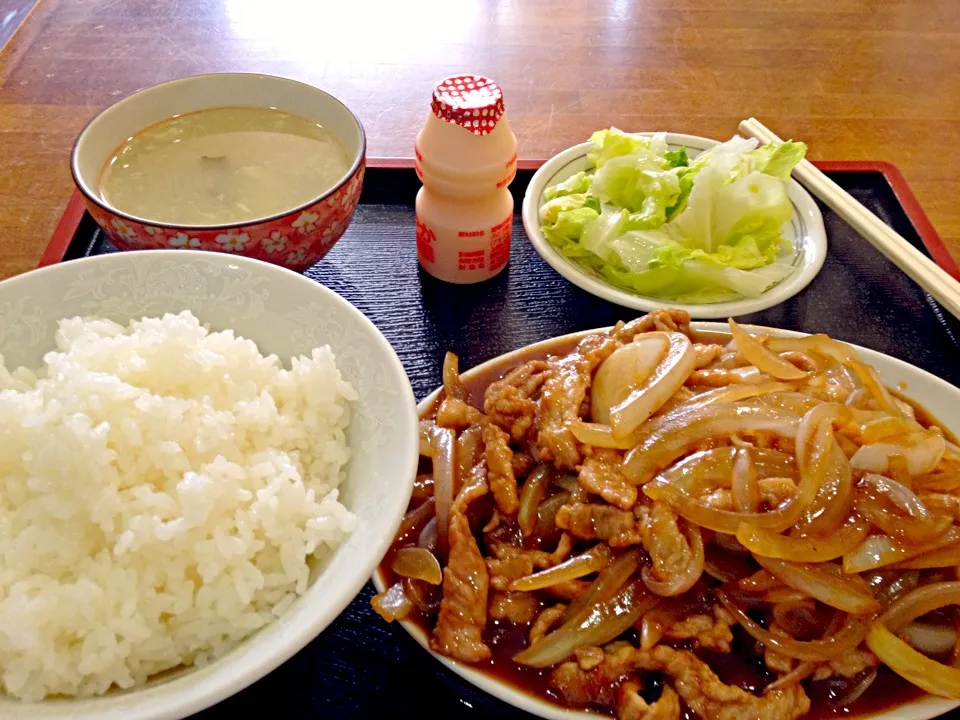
[
  {"x": 805, "y": 231},
  {"x": 284, "y": 313},
  {"x": 938, "y": 397}
]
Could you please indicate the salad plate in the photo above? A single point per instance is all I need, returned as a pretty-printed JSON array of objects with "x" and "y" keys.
[{"x": 802, "y": 256}]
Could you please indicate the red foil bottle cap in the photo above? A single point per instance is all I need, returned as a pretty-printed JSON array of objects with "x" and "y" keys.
[{"x": 473, "y": 102}]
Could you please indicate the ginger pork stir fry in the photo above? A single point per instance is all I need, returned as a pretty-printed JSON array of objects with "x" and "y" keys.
[{"x": 647, "y": 507}]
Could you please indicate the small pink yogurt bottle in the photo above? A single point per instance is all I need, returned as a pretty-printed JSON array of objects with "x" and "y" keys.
[{"x": 466, "y": 158}]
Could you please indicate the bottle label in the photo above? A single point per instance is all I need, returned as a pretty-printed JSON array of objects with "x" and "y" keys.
[
  {"x": 426, "y": 242},
  {"x": 500, "y": 243}
]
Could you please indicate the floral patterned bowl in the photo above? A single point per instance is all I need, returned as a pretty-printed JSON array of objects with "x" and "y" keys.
[{"x": 295, "y": 239}]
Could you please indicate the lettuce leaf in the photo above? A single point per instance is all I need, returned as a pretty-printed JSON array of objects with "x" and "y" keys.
[
  {"x": 575, "y": 184},
  {"x": 653, "y": 221}
]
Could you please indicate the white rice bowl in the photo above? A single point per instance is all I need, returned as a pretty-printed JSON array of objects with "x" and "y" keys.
[
  {"x": 162, "y": 490},
  {"x": 285, "y": 314}
]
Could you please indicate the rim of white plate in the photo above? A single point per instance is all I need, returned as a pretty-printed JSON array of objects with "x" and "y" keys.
[
  {"x": 924, "y": 708},
  {"x": 810, "y": 239}
]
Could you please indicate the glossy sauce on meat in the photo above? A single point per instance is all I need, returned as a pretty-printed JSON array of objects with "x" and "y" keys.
[{"x": 506, "y": 639}]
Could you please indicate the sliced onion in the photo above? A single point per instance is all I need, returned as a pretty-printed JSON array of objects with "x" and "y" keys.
[
  {"x": 800, "y": 672},
  {"x": 444, "y": 442},
  {"x": 919, "y": 602},
  {"x": 803, "y": 549},
  {"x": 597, "y": 624},
  {"x": 626, "y": 369},
  {"x": 881, "y": 550},
  {"x": 945, "y": 557},
  {"x": 590, "y": 561},
  {"x": 881, "y": 428},
  {"x": 531, "y": 495},
  {"x": 713, "y": 468},
  {"x": 546, "y": 526},
  {"x": 452, "y": 384},
  {"x": 746, "y": 491},
  {"x": 418, "y": 564},
  {"x": 822, "y": 344},
  {"x": 851, "y": 634},
  {"x": 896, "y": 509},
  {"x": 767, "y": 361},
  {"x": 392, "y": 604},
  {"x": 848, "y": 593},
  {"x": 792, "y": 402},
  {"x": 682, "y": 579},
  {"x": 598, "y": 435},
  {"x": 921, "y": 452},
  {"x": 730, "y": 393},
  {"x": 930, "y": 639},
  {"x": 416, "y": 518},
  {"x": 834, "y": 503},
  {"x": 426, "y": 437},
  {"x": 645, "y": 400},
  {"x": 856, "y": 691},
  {"x": 674, "y": 436},
  {"x": 878, "y": 391},
  {"x": 468, "y": 452},
  {"x": 428, "y": 536},
  {"x": 936, "y": 678},
  {"x": 608, "y": 582}
]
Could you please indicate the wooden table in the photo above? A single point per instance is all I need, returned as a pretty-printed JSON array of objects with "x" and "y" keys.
[{"x": 856, "y": 79}]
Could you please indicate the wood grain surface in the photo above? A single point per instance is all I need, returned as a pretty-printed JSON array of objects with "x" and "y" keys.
[{"x": 855, "y": 79}]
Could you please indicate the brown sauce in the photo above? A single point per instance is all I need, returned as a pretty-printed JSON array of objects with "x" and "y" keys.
[{"x": 741, "y": 669}]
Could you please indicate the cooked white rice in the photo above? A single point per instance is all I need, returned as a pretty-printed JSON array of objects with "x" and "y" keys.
[{"x": 163, "y": 488}]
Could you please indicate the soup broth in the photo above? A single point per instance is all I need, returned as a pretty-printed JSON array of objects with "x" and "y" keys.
[{"x": 223, "y": 166}]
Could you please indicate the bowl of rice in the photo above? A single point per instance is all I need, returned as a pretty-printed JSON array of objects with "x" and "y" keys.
[{"x": 202, "y": 460}]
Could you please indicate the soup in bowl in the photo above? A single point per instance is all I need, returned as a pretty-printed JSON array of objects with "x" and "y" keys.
[{"x": 256, "y": 165}]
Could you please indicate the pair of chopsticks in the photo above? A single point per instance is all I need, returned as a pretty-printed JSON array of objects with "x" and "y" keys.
[{"x": 917, "y": 266}]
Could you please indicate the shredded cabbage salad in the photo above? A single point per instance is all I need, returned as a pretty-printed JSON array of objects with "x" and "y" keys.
[{"x": 652, "y": 221}]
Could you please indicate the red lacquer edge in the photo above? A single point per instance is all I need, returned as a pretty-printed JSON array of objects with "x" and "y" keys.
[{"x": 67, "y": 227}]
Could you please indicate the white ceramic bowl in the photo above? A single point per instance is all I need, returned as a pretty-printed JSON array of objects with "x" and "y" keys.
[
  {"x": 940, "y": 398},
  {"x": 283, "y": 313},
  {"x": 805, "y": 232}
]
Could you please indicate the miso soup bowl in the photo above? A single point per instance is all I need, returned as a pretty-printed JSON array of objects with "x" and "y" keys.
[{"x": 295, "y": 238}]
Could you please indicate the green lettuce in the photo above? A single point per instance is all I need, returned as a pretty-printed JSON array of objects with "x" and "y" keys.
[{"x": 655, "y": 222}]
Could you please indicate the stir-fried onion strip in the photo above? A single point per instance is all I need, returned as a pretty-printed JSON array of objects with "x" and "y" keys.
[
  {"x": 936, "y": 678},
  {"x": 590, "y": 561},
  {"x": 767, "y": 361},
  {"x": 663, "y": 442},
  {"x": 452, "y": 384},
  {"x": 444, "y": 444},
  {"x": 851, "y": 634},
  {"x": 531, "y": 495},
  {"x": 681, "y": 580},
  {"x": 597, "y": 624},
  {"x": 803, "y": 549},
  {"x": 418, "y": 564},
  {"x": 826, "y": 583}
]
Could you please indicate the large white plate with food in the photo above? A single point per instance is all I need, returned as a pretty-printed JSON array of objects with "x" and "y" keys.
[
  {"x": 937, "y": 398},
  {"x": 804, "y": 232},
  {"x": 180, "y": 513}
]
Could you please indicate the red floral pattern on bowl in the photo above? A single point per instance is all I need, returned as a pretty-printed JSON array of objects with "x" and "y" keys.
[{"x": 295, "y": 240}]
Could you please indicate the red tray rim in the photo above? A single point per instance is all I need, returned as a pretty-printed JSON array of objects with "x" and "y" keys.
[{"x": 67, "y": 227}]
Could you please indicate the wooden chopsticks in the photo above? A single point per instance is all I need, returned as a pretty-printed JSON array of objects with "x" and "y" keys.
[{"x": 917, "y": 266}]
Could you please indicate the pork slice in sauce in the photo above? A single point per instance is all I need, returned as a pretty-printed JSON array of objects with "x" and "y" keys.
[
  {"x": 630, "y": 706},
  {"x": 602, "y": 474},
  {"x": 463, "y": 609},
  {"x": 516, "y": 607},
  {"x": 593, "y": 521},
  {"x": 511, "y": 402},
  {"x": 562, "y": 397},
  {"x": 457, "y": 414},
  {"x": 668, "y": 547},
  {"x": 503, "y": 483},
  {"x": 663, "y": 320}
]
